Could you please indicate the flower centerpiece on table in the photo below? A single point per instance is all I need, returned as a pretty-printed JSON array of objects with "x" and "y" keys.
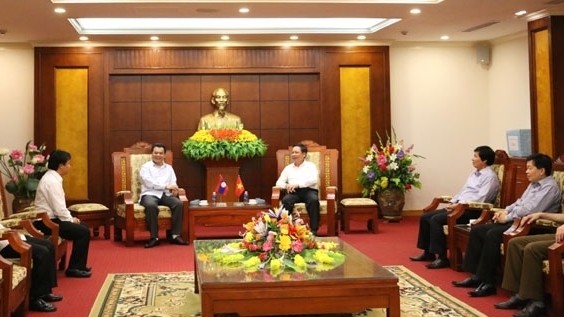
[
  {"x": 388, "y": 165},
  {"x": 224, "y": 143},
  {"x": 23, "y": 169},
  {"x": 277, "y": 241}
]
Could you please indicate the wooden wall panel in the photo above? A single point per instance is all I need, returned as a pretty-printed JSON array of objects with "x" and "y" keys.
[{"x": 282, "y": 95}]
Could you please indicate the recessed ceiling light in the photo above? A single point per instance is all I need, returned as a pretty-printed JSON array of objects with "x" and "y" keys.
[
  {"x": 445, "y": 37},
  {"x": 225, "y": 37},
  {"x": 232, "y": 25},
  {"x": 154, "y": 38},
  {"x": 60, "y": 10},
  {"x": 520, "y": 13},
  {"x": 294, "y": 37},
  {"x": 244, "y": 10},
  {"x": 361, "y": 37},
  {"x": 83, "y": 38},
  {"x": 415, "y": 11}
]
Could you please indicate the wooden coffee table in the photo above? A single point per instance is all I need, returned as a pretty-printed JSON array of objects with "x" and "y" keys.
[
  {"x": 358, "y": 284},
  {"x": 221, "y": 215}
]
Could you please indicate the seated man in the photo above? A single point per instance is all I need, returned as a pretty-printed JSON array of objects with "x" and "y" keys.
[
  {"x": 523, "y": 273},
  {"x": 299, "y": 179},
  {"x": 50, "y": 197},
  {"x": 220, "y": 118},
  {"x": 43, "y": 272},
  {"x": 483, "y": 251},
  {"x": 158, "y": 187},
  {"x": 481, "y": 186}
]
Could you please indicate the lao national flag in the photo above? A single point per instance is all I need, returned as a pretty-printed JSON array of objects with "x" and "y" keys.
[
  {"x": 239, "y": 187},
  {"x": 221, "y": 187}
]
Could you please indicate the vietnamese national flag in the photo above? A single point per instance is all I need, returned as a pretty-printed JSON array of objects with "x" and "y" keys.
[
  {"x": 239, "y": 187},
  {"x": 221, "y": 187}
]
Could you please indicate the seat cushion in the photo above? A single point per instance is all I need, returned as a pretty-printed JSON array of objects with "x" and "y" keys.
[
  {"x": 88, "y": 207},
  {"x": 139, "y": 211},
  {"x": 18, "y": 275},
  {"x": 545, "y": 266},
  {"x": 300, "y": 207},
  {"x": 358, "y": 202}
]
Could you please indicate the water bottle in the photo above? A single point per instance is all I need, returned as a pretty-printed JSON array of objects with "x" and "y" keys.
[
  {"x": 214, "y": 198},
  {"x": 246, "y": 197}
]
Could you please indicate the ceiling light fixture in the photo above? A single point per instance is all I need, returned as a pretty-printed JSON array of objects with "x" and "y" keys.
[
  {"x": 59, "y": 10},
  {"x": 154, "y": 38},
  {"x": 294, "y": 37},
  {"x": 225, "y": 37},
  {"x": 229, "y": 25},
  {"x": 415, "y": 11},
  {"x": 83, "y": 38},
  {"x": 520, "y": 13},
  {"x": 445, "y": 37},
  {"x": 361, "y": 37},
  {"x": 244, "y": 10}
]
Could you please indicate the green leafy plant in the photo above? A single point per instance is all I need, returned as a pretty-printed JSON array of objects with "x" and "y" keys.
[{"x": 218, "y": 144}]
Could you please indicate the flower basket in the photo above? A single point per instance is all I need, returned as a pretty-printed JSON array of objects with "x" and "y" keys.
[
  {"x": 217, "y": 144},
  {"x": 23, "y": 169}
]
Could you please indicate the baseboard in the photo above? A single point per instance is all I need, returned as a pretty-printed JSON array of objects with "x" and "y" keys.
[{"x": 412, "y": 212}]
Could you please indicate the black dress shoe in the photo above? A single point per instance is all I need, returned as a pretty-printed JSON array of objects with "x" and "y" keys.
[
  {"x": 41, "y": 305},
  {"x": 86, "y": 268},
  {"x": 77, "y": 273},
  {"x": 532, "y": 310},
  {"x": 178, "y": 240},
  {"x": 50, "y": 298},
  {"x": 425, "y": 256},
  {"x": 468, "y": 282},
  {"x": 513, "y": 303},
  {"x": 152, "y": 243},
  {"x": 438, "y": 264},
  {"x": 485, "y": 289}
]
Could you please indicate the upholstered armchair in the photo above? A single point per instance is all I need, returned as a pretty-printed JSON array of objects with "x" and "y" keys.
[
  {"x": 127, "y": 213},
  {"x": 16, "y": 276},
  {"x": 483, "y": 209},
  {"x": 326, "y": 161}
]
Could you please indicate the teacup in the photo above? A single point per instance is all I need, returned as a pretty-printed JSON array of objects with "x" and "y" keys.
[{"x": 252, "y": 201}]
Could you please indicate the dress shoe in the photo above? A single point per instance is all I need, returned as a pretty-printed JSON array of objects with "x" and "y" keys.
[
  {"x": 468, "y": 282},
  {"x": 485, "y": 289},
  {"x": 513, "y": 303},
  {"x": 77, "y": 273},
  {"x": 425, "y": 256},
  {"x": 152, "y": 243},
  {"x": 41, "y": 305},
  {"x": 533, "y": 309},
  {"x": 50, "y": 298},
  {"x": 438, "y": 264},
  {"x": 178, "y": 240},
  {"x": 86, "y": 268}
]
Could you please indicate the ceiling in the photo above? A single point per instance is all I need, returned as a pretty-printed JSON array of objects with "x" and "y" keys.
[{"x": 34, "y": 22}]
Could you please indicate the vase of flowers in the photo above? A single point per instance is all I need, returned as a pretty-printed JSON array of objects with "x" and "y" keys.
[
  {"x": 217, "y": 144},
  {"x": 23, "y": 170},
  {"x": 388, "y": 173},
  {"x": 277, "y": 242}
]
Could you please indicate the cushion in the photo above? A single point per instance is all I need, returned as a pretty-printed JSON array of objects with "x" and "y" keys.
[
  {"x": 358, "y": 202},
  {"x": 18, "y": 274},
  {"x": 300, "y": 207},
  {"x": 545, "y": 265},
  {"x": 88, "y": 207}
]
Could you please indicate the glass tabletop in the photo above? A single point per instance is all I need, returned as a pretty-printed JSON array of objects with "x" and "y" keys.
[{"x": 356, "y": 266}]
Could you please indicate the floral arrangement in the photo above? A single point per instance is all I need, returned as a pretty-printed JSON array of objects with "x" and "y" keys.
[
  {"x": 276, "y": 241},
  {"x": 223, "y": 143},
  {"x": 388, "y": 165},
  {"x": 23, "y": 168}
]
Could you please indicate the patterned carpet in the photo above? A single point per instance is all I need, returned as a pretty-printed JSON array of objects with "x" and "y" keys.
[{"x": 172, "y": 295}]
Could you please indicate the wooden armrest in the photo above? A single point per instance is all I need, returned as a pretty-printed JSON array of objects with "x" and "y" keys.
[
  {"x": 555, "y": 253},
  {"x": 436, "y": 202},
  {"x": 27, "y": 224},
  {"x": 19, "y": 246},
  {"x": 182, "y": 195},
  {"x": 331, "y": 192}
]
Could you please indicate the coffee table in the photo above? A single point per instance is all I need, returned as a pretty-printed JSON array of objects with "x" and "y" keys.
[
  {"x": 221, "y": 215},
  {"x": 358, "y": 284}
]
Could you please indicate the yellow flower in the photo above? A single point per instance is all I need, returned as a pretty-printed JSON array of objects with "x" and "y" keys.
[
  {"x": 252, "y": 262},
  {"x": 246, "y": 136},
  {"x": 202, "y": 136},
  {"x": 275, "y": 265},
  {"x": 300, "y": 262},
  {"x": 285, "y": 242}
]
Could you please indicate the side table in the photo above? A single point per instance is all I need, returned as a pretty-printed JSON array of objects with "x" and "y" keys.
[
  {"x": 361, "y": 209},
  {"x": 93, "y": 215},
  {"x": 461, "y": 237}
]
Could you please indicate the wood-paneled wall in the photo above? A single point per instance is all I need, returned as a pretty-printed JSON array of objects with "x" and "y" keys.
[{"x": 158, "y": 95}]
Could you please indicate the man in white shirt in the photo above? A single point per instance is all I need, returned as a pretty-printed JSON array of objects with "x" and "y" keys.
[
  {"x": 299, "y": 179},
  {"x": 50, "y": 197},
  {"x": 158, "y": 187}
]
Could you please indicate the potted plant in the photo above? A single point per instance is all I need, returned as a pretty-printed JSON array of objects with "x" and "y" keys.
[{"x": 389, "y": 172}]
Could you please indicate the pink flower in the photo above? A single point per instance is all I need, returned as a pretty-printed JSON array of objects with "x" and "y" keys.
[
  {"x": 267, "y": 246},
  {"x": 17, "y": 155},
  {"x": 297, "y": 246},
  {"x": 28, "y": 169},
  {"x": 38, "y": 159},
  {"x": 32, "y": 147}
]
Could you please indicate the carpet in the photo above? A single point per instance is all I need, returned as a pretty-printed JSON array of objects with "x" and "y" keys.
[{"x": 172, "y": 295}]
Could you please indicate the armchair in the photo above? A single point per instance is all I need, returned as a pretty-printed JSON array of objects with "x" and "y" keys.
[
  {"x": 127, "y": 213},
  {"x": 326, "y": 161},
  {"x": 16, "y": 276}
]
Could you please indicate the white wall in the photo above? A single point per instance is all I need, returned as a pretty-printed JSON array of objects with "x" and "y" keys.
[
  {"x": 443, "y": 101},
  {"x": 446, "y": 103},
  {"x": 16, "y": 97}
]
